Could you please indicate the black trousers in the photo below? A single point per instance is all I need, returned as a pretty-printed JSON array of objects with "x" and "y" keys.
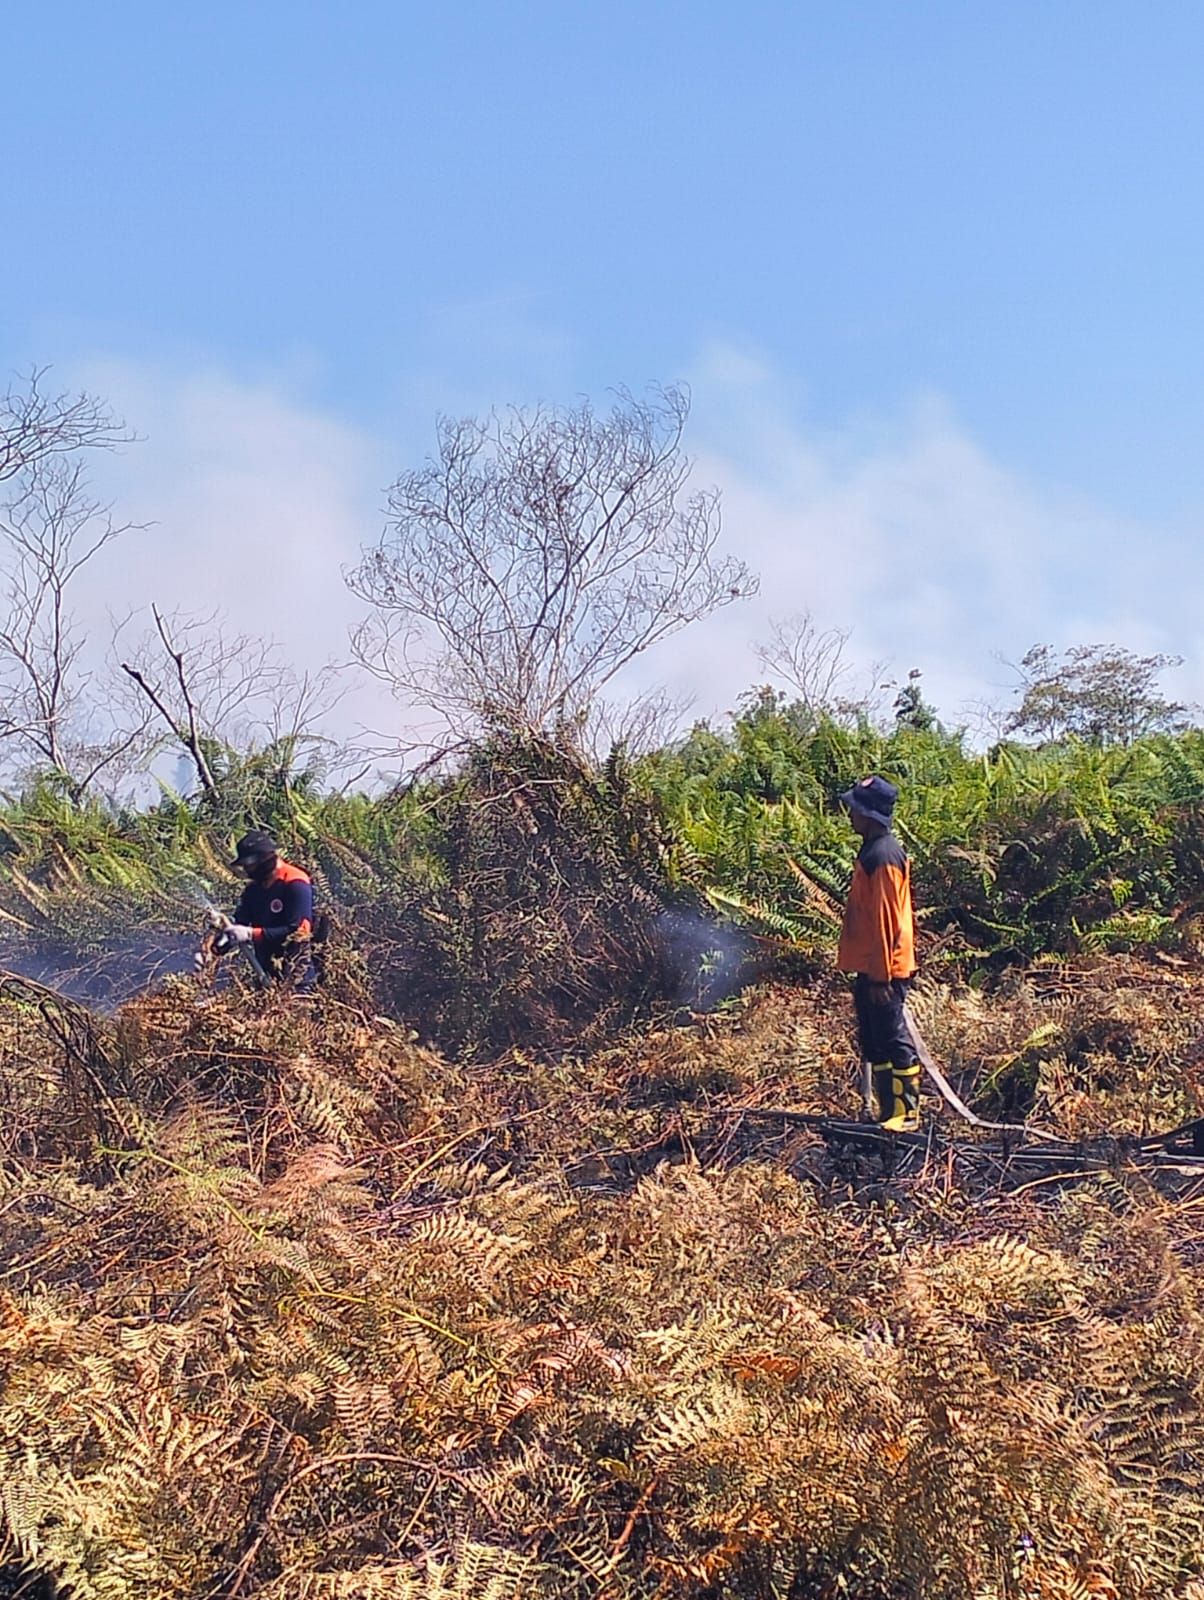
[{"x": 882, "y": 1031}]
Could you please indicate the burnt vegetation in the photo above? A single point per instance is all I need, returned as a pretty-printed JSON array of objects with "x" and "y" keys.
[
  {"x": 536, "y": 1254},
  {"x": 296, "y": 1304}
]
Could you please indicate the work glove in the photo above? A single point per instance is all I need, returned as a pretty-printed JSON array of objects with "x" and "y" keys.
[{"x": 239, "y": 933}]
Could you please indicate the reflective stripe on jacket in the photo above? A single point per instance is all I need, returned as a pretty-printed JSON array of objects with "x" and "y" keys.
[{"x": 878, "y": 934}]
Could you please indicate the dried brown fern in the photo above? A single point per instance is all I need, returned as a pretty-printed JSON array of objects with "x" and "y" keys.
[{"x": 249, "y": 1351}]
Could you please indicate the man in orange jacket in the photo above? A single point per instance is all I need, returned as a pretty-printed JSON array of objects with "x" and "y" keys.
[
  {"x": 274, "y": 917},
  {"x": 877, "y": 943}
]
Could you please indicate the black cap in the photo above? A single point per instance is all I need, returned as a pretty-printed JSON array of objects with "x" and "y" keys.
[
  {"x": 874, "y": 797},
  {"x": 255, "y": 848}
]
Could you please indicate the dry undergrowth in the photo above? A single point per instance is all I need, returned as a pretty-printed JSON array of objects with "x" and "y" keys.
[{"x": 296, "y": 1309}]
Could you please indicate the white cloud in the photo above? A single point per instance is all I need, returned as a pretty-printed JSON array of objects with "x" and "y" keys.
[
  {"x": 257, "y": 502},
  {"x": 902, "y": 528},
  {"x": 908, "y": 532}
]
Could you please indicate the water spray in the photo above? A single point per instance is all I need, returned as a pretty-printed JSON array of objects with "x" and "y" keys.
[{"x": 221, "y": 923}]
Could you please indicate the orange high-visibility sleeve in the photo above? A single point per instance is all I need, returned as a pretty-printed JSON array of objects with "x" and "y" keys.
[{"x": 878, "y": 934}]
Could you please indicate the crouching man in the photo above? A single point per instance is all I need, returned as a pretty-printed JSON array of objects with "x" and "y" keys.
[
  {"x": 877, "y": 943},
  {"x": 274, "y": 917}
]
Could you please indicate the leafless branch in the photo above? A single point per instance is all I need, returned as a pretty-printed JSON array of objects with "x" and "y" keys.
[
  {"x": 50, "y": 529},
  {"x": 35, "y": 425},
  {"x": 184, "y": 729},
  {"x": 224, "y": 689},
  {"x": 813, "y": 661},
  {"x": 535, "y": 557},
  {"x": 640, "y": 725},
  {"x": 810, "y": 659}
]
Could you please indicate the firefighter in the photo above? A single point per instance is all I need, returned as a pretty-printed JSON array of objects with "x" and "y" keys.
[
  {"x": 274, "y": 917},
  {"x": 877, "y": 944}
]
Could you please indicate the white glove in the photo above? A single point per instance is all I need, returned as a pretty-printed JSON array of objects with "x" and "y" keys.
[
  {"x": 240, "y": 933},
  {"x": 200, "y": 961}
]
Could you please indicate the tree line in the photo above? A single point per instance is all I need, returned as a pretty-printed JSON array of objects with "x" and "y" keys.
[{"x": 520, "y": 569}]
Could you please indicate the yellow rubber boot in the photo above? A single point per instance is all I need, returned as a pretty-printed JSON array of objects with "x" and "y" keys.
[
  {"x": 884, "y": 1090},
  {"x": 904, "y": 1116}
]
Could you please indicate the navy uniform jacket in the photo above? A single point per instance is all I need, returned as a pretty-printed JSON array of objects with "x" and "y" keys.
[{"x": 278, "y": 911}]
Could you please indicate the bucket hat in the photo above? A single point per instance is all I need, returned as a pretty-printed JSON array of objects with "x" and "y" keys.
[{"x": 874, "y": 797}]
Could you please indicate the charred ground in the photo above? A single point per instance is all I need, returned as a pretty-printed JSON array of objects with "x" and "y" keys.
[{"x": 294, "y": 1306}]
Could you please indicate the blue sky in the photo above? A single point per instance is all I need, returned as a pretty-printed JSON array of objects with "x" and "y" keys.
[{"x": 935, "y": 272}]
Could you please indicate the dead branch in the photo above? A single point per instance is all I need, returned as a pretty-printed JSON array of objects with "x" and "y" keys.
[
  {"x": 185, "y": 730},
  {"x": 225, "y": 691},
  {"x": 35, "y": 425},
  {"x": 535, "y": 557}
]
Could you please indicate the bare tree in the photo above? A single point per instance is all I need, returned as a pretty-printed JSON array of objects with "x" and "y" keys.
[
  {"x": 51, "y": 527},
  {"x": 986, "y": 720},
  {"x": 534, "y": 557},
  {"x": 211, "y": 689},
  {"x": 35, "y": 425},
  {"x": 640, "y": 725},
  {"x": 812, "y": 661},
  {"x": 52, "y": 711}
]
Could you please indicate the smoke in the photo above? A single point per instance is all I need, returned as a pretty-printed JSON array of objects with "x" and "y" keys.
[
  {"x": 107, "y": 980},
  {"x": 707, "y": 960},
  {"x": 125, "y": 966}
]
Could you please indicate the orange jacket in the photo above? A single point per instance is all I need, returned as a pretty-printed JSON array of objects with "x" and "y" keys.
[{"x": 878, "y": 934}]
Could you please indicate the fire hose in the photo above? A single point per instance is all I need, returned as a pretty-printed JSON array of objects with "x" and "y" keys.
[
  {"x": 221, "y": 925},
  {"x": 946, "y": 1090}
]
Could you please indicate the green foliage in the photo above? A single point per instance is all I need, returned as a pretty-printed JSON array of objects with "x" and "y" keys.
[
  {"x": 1019, "y": 851},
  {"x": 525, "y": 894},
  {"x": 1101, "y": 693}
]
